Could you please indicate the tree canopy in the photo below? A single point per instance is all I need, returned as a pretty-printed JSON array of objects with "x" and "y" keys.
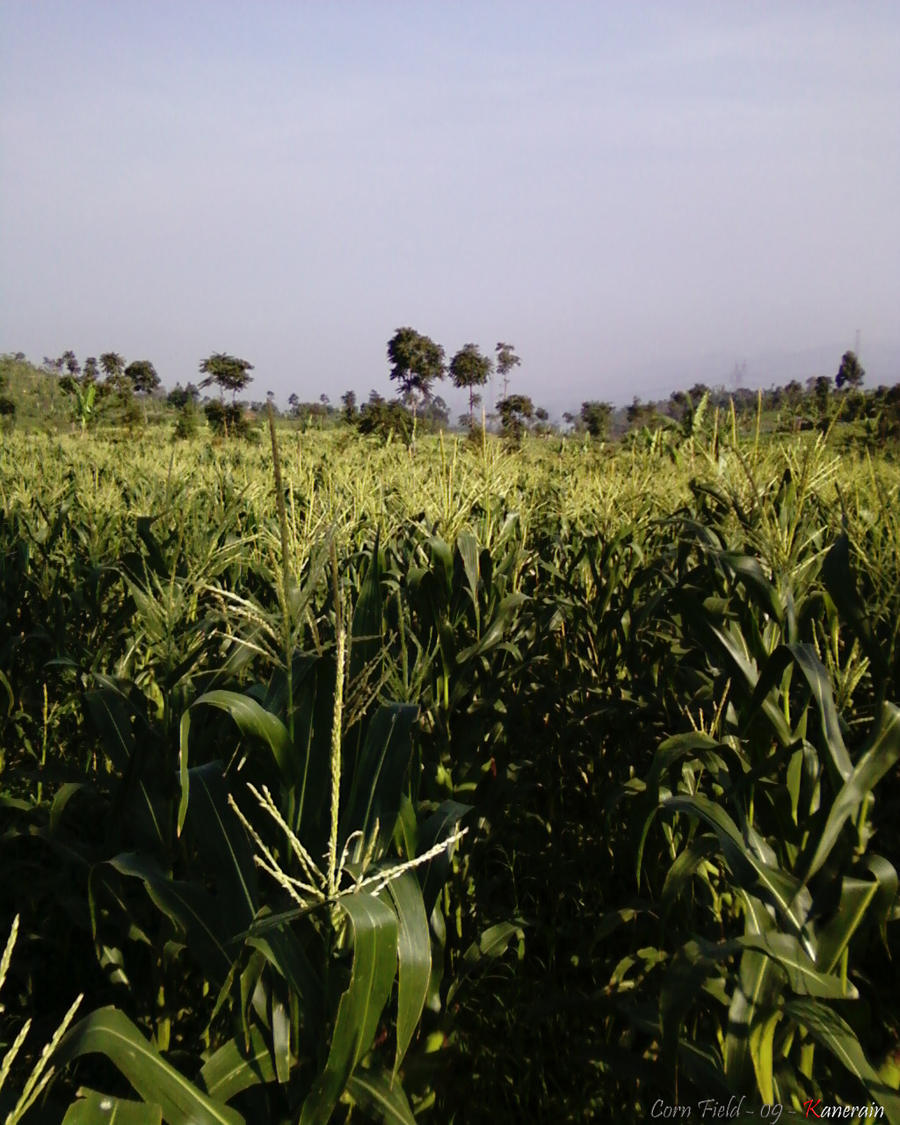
[
  {"x": 850, "y": 373},
  {"x": 227, "y": 371},
  {"x": 143, "y": 376},
  {"x": 514, "y": 410},
  {"x": 595, "y": 416},
  {"x": 470, "y": 369},
  {"x": 416, "y": 361},
  {"x": 112, "y": 364},
  {"x": 506, "y": 361}
]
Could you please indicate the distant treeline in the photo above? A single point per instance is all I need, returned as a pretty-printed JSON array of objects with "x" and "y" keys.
[{"x": 132, "y": 393}]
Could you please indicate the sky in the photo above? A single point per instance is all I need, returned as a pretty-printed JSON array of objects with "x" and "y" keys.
[{"x": 635, "y": 195}]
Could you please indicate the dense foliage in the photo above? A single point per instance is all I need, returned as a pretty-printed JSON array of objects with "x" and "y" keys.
[{"x": 456, "y": 782}]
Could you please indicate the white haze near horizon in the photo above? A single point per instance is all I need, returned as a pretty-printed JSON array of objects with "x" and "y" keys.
[{"x": 634, "y": 195}]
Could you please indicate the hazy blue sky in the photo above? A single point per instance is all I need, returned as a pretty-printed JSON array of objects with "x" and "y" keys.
[{"x": 631, "y": 193}]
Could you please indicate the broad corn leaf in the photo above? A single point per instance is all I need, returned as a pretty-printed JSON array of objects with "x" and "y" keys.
[
  {"x": 252, "y": 720},
  {"x": 231, "y": 1070},
  {"x": 374, "y": 927},
  {"x": 828, "y": 1029},
  {"x": 109, "y": 1032},
  {"x": 802, "y": 975},
  {"x": 381, "y": 1095},
  {"x": 784, "y": 891},
  {"x": 762, "y": 1036},
  {"x": 413, "y": 956},
  {"x": 883, "y": 753},
  {"x": 93, "y": 1108}
]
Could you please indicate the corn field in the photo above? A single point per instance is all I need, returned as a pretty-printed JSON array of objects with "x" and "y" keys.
[{"x": 347, "y": 782}]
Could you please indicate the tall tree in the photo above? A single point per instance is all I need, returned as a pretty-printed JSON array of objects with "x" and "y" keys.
[
  {"x": 227, "y": 371},
  {"x": 820, "y": 386},
  {"x": 112, "y": 365},
  {"x": 71, "y": 363},
  {"x": 851, "y": 372},
  {"x": 470, "y": 369},
  {"x": 506, "y": 361},
  {"x": 595, "y": 416},
  {"x": 514, "y": 411},
  {"x": 143, "y": 376},
  {"x": 640, "y": 413},
  {"x": 348, "y": 398},
  {"x": 416, "y": 361}
]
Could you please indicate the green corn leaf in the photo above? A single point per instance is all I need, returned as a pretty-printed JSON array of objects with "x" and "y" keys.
[
  {"x": 190, "y": 907},
  {"x": 758, "y": 986},
  {"x": 109, "y": 1032},
  {"x": 751, "y": 573},
  {"x": 833, "y": 938},
  {"x": 375, "y": 928},
  {"x": 682, "y": 984},
  {"x": 840, "y": 581},
  {"x": 222, "y": 844},
  {"x": 378, "y": 779},
  {"x": 252, "y": 720},
  {"x": 10, "y": 697},
  {"x": 381, "y": 1095},
  {"x": 413, "y": 957},
  {"x": 441, "y": 561},
  {"x": 827, "y": 1028},
  {"x": 61, "y": 798},
  {"x": 804, "y": 658},
  {"x": 282, "y": 949},
  {"x": 492, "y": 943},
  {"x": 406, "y": 831},
  {"x": 365, "y": 630},
  {"x": 762, "y": 1036},
  {"x": 686, "y": 865},
  {"x": 886, "y": 898},
  {"x": 281, "y": 1041},
  {"x": 881, "y": 754},
  {"x": 93, "y": 1108},
  {"x": 784, "y": 891},
  {"x": 744, "y": 669},
  {"x": 467, "y": 548},
  {"x": 803, "y": 976},
  {"x": 495, "y": 631},
  {"x": 232, "y": 1069},
  {"x": 113, "y": 712}
]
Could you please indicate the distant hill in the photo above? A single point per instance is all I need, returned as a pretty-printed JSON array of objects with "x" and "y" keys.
[{"x": 40, "y": 404}]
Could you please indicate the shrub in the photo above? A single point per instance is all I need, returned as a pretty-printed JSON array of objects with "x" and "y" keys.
[{"x": 227, "y": 419}]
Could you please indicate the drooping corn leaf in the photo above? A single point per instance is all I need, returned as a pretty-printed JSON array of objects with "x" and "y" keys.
[
  {"x": 828, "y": 1028},
  {"x": 381, "y": 1095},
  {"x": 253, "y": 721},
  {"x": 190, "y": 907},
  {"x": 781, "y": 888},
  {"x": 93, "y": 1108},
  {"x": 109, "y": 1032},
  {"x": 802, "y": 975}
]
